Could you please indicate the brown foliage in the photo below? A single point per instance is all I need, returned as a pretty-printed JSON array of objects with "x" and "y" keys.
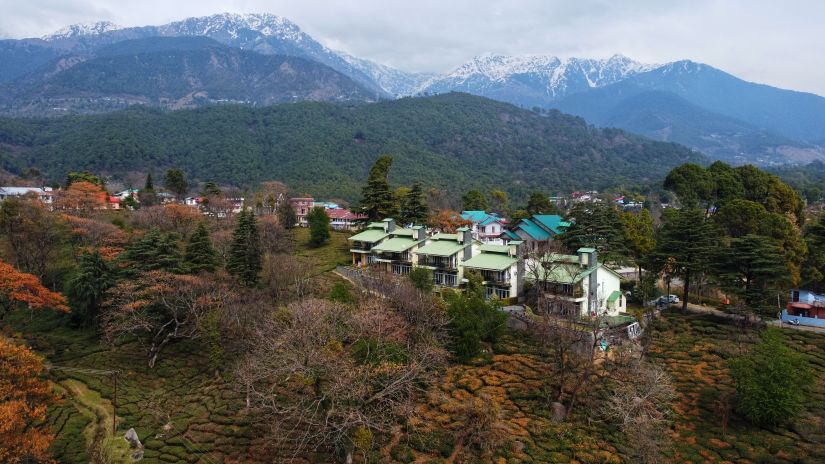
[
  {"x": 24, "y": 397},
  {"x": 273, "y": 236},
  {"x": 328, "y": 376},
  {"x": 167, "y": 218},
  {"x": 81, "y": 197},
  {"x": 165, "y": 306},
  {"x": 20, "y": 288},
  {"x": 448, "y": 221}
]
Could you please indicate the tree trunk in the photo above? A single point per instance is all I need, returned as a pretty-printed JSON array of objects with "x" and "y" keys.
[{"x": 687, "y": 291}]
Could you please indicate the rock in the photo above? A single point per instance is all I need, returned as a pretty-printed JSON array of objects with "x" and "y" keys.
[
  {"x": 132, "y": 437},
  {"x": 559, "y": 412},
  {"x": 137, "y": 455}
]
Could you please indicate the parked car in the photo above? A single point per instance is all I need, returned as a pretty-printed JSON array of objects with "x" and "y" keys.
[{"x": 665, "y": 300}]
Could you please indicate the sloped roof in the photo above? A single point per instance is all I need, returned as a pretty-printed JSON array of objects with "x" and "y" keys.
[
  {"x": 533, "y": 230},
  {"x": 495, "y": 248},
  {"x": 371, "y": 235},
  {"x": 511, "y": 235},
  {"x": 395, "y": 245},
  {"x": 444, "y": 236},
  {"x": 441, "y": 248},
  {"x": 550, "y": 222},
  {"x": 490, "y": 261},
  {"x": 614, "y": 296}
]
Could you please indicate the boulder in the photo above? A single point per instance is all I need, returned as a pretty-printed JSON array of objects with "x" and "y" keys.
[
  {"x": 132, "y": 437},
  {"x": 559, "y": 412}
]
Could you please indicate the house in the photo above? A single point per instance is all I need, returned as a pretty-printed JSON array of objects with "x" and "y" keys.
[
  {"x": 487, "y": 227},
  {"x": 344, "y": 219},
  {"x": 45, "y": 194},
  {"x": 128, "y": 193},
  {"x": 805, "y": 308},
  {"x": 363, "y": 242},
  {"x": 114, "y": 202},
  {"x": 445, "y": 254},
  {"x": 538, "y": 229},
  {"x": 501, "y": 268},
  {"x": 580, "y": 279},
  {"x": 397, "y": 253},
  {"x": 302, "y": 206}
]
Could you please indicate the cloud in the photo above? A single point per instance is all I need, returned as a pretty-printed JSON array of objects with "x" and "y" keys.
[{"x": 777, "y": 43}]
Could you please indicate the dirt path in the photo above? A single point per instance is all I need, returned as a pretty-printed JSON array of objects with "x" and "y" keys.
[{"x": 99, "y": 411}]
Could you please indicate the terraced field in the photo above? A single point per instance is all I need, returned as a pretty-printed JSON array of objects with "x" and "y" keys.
[
  {"x": 185, "y": 413},
  {"x": 695, "y": 350}
]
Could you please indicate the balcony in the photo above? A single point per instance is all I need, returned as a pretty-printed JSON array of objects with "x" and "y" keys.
[
  {"x": 438, "y": 262},
  {"x": 401, "y": 269},
  {"x": 403, "y": 258},
  {"x": 500, "y": 277},
  {"x": 361, "y": 247},
  {"x": 443, "y": 279},
  {"x": 496, "y": 292}
]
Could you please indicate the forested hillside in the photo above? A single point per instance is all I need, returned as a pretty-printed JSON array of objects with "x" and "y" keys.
[{"x": 453, "y": 142}]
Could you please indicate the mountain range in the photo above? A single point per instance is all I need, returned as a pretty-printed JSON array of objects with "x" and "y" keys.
[{"x": 690, "y": 103}]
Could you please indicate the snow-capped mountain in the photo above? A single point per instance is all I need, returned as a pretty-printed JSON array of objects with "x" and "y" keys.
[
  {"x": 533, "y": 79},
  {"x": 83, "y": 29},
  {"x": 262, "y": 33},
  {"x": 394, "y": 81}
]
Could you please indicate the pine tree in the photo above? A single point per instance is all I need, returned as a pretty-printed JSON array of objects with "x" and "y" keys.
[
  {"x": 688, "y": 242},
  {"x": 245, "y": 252},
  {"x": 538, "y": 203},
  {"x": 149, "y": 185},
  {"x": 86, "y": 291},
  {"x": 286, "y": 215},
  {"x": 175, "y": 182},
  {"x": 378, "y": 201},
  {"x": 753, "y": 268},
  {"x": 598, "y": 226},
  {"x": 414, "y": 209},
  {"x": 152, "y": 252},
  {"x": 474, "y": 200},
  {"x": 199, "y": 255},
  {"x": 147, "y": 196},
  {"x": 318, "y": 226}
]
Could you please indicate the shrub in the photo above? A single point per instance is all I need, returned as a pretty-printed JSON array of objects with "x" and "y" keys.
[
  {"x": 421, "y": 278},
  {"x": 771, "y": 381}
]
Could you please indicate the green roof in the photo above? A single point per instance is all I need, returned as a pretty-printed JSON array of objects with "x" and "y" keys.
[
  {"x": 403, "y": 232},
  {"x": 495, "y": 248},
  {"x": 490, "y": 261},
  {"x": 614, "y": 296},
  {"x": 441, "y": 248},
  {"x": 376, "y": 225},
  {"x": 395, "y": 245},
  {"x": 444, "y": 236},
  {"x": 369, "y": 236},
  {"x": 585, "y": 250}
]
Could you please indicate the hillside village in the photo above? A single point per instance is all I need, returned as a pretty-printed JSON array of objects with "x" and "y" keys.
[{"x": 527, "y": 320}]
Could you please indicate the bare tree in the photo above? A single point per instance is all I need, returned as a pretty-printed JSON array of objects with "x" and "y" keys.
[
  {"x": 327, "y": 378},
  {"x": 640, "y": 399},
  {"x": 165, "y": 306},
  {"x": 545, "y": 265}
]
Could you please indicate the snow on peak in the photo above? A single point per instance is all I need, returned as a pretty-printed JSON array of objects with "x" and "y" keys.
[
  {"x": 232, "y": 23},
  {"x": 83, "y": 29}
]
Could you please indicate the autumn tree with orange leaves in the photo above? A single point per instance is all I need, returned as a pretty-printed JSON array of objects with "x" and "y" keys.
[
  {"x": 20, "y": 288},
  {"x": 24, "y": 397},
  {"x": 448, "y": 221},
  {"x": 81, "y": 197}
]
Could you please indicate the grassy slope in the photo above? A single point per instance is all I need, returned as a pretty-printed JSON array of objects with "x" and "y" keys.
[
  {"x": 695, "y": 349},
  {"x": 183, "y": 413}
]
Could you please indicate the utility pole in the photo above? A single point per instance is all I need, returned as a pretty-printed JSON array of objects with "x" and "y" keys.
[{"x": 113, "y": 374}]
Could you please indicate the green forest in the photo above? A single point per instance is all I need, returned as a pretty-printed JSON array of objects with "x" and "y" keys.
[{"x": 453, "y": 142}]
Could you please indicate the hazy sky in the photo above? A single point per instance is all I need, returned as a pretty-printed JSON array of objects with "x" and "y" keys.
[{"x": 772, "y": 42}]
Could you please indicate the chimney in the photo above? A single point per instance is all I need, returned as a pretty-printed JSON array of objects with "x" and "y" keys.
[
  {"x": 422, "y": 232},
  {"x": 588, "y": 257},
  {"x": 390, "y": 222}
]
